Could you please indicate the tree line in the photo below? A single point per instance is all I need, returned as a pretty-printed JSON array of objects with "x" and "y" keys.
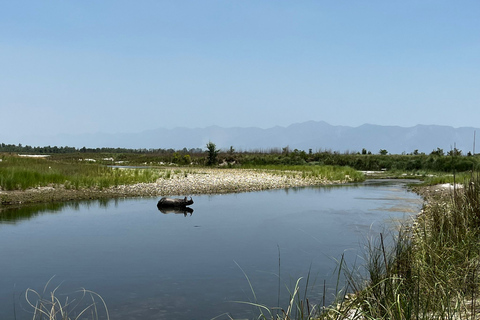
[
  {"x": 62, "y": 150},
  {"x": 437, "y": 160}
]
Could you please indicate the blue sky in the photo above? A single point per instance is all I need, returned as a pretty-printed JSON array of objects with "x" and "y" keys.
[{"x": 128, "y": 66}]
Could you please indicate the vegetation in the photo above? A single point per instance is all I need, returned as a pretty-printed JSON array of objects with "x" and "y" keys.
[
  {"x": 20, "y": 173},
  {"x": 428, "y": 270},
  {"x": 212, "y": 152},
  {"x": 414, "y": 163},
  {"x": 94, "y": 170},
  {"x": 85, "y": 305},
  {"x": 431, "y": 271},
  {"x": 65, "y": 150},
  {"x": 419, "y": 163}
]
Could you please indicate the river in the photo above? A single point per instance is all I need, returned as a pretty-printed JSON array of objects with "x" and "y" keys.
[{"x": 152, "y": 265}]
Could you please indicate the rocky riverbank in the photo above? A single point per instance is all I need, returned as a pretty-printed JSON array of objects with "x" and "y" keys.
[{"x": 182, "y": 183}]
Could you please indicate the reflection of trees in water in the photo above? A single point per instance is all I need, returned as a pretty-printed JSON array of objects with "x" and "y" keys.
[
  {"x": 18, "y": 213},
  {"x": 324, "y": 188},
  {"x": 354, "y": 185},
  {"x": 14, "y": 214}
]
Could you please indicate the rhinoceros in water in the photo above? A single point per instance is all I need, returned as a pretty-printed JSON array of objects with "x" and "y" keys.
[{"x": 174, "y": 203}]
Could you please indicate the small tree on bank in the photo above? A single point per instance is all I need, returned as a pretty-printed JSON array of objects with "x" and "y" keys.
[
  {"x": 383, "y": 152},
  {"x": 212, "y": 153}
]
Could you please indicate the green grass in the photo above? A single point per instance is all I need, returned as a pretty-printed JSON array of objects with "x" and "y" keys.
[
  {"x": 430, "y": 270},
  {"x": 18, "y": 173},
  {"x": 426, "y": 270},
  {"x": 439, "y": 178}
]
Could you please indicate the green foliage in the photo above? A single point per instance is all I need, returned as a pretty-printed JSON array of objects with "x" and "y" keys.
[
  {"x": 68, "y": 150},
  {"x": 419, "y": 163},
  {"x": 212, "y": 153},
  {"x": 430, "y": 270},
  {"x": 436, "y": 161},
  {"x": 18, "y": 173},
  {"x": 438, "y": 152}
]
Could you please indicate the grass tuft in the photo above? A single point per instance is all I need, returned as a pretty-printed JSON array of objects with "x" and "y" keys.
[
  {"x": 48, "y": 306},
  {"x": 429, "y": 270}
]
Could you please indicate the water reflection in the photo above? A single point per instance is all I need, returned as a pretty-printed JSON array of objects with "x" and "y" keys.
[
  {"x": 184, "y": 211},
  {"x": 14, "y": 214},
  {"x": 11, "y": 215},
  {"x": 150, "y": 266}
]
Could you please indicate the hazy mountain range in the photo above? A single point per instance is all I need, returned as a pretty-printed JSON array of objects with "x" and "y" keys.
[{"x": 313, "y": 135}]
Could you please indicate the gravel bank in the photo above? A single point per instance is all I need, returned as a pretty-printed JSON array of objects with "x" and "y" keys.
[
  {"x": 181, "y": 183},
  {"x": 208, "y": 181}
]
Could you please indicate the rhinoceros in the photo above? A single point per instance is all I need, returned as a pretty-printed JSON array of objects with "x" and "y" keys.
[{"x": 174, "y": 203}]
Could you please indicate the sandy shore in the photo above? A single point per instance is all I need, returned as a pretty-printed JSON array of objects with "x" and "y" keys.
[{"x": 182, "y": 183}]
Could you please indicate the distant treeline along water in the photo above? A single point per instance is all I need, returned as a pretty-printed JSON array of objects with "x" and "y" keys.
[
  {"x": 54, "y": 149},
  {"x": 437, "y": 160}
]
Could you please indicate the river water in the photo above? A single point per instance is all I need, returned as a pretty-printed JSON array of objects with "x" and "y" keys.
[{"x": 147, "y": 264}]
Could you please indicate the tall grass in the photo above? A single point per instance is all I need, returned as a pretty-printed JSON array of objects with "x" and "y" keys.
[
  {"x": 18, "y": 173},
  {"x": 85, "y": 304},
  {"x": 298, "y": 306},
  {"x": 459, "y": 178},
  {"x": 430, "y": 270}
]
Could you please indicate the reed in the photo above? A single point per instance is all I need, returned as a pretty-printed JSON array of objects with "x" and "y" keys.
[
  {"x": 298, "y": 306},
  {"x": 428, "y": 271},
  {"x": 85, "y": 304}
]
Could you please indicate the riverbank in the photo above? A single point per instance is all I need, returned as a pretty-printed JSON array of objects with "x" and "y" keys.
[
  {"x": 429, "y": 269},
  {"x": 177, "y": 183}
]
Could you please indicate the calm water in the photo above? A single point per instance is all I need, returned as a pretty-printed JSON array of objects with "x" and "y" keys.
[{"x": 152, "y": 265}]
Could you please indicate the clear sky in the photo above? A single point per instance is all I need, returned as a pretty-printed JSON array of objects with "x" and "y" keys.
[{"x": 113, "y": 66}]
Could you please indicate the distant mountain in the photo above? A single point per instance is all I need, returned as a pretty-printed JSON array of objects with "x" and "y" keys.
[{"x": 313, "y": 135}]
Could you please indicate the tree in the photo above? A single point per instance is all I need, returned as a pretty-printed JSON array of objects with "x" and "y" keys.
[
  {"x": 455, "y": 152},
  {"x": 438, "y": 152},
  {"x": 212, "y": 153},
  {"x": 383, "y": 152}
]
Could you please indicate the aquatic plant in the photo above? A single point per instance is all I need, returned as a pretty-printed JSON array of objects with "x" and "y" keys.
[
  {"x": 298, "y": 306},
  {"x": 86, "y": 304}
]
